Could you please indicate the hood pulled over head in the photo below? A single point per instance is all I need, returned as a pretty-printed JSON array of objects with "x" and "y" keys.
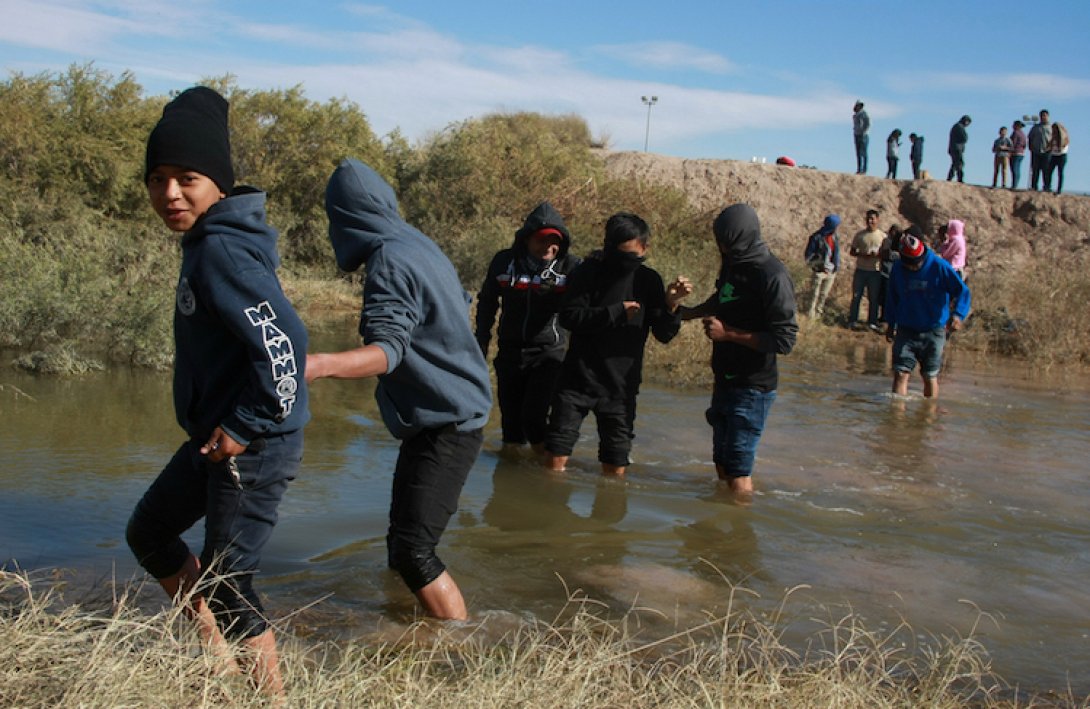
[
  {"x": 362, "y": 210},
  {"x": 830, "y": 224},
  {"x": 543, "y": 217},
  {"x": 955, "y": 228},
  {"x": 738, "y": 233}
]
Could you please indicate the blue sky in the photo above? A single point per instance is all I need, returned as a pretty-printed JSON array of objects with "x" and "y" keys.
[{"x": 734, "y": 79}]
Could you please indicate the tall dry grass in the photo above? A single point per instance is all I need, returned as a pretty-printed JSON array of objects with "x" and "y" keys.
[{"x": 59, "y": 654}]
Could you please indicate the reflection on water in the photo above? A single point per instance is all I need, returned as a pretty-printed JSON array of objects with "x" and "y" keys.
[{"x": 896, "y": 507}]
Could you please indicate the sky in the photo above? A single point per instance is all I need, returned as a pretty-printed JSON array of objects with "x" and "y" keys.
[{"x": 736, "y": 80}]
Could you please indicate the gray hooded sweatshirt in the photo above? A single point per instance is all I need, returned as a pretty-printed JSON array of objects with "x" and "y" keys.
[{"x": 414, "y": 308}]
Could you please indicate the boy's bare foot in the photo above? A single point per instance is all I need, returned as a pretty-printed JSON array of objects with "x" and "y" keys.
[{"x": 616, "y": 471}]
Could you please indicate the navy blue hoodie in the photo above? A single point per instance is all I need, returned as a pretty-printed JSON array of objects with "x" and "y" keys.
[
  {"x": 240, "y": 349},
  {"x": 414, "y": 308}
]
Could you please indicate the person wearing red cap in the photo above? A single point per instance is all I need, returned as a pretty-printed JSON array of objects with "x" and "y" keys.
[
  {"x": 525, "y": 284},
  {"x": 926, "y": 300}
]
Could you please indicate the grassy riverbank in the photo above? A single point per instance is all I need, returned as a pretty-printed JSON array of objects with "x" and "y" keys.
[{"x": 110, "y": 653}]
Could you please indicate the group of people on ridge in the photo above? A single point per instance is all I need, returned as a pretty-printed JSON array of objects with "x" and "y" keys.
[
  {"x": 242, "y": 369},
  {"x": 1046, "y": 142}
]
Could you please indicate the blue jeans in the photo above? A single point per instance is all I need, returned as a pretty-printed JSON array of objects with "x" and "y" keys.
[
  {"x": 238, "y": 499},
  {"x": 911, "y": 346},
  {"x": 861, "y": 142},
  {"x": 1056, "y": 163},
  {"x": 1016, "y": 170},
  {"x": 871, "y": 282},
  {"x": 737, "y": 418}
]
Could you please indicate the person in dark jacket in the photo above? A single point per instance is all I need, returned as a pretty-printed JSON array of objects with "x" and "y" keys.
[
  {"x": 750, "y": 319},
  {"x": 959, "y": 136},
  {"x": 915, "y": 155},
  {"x": 527, "y": 280},
  {"x": 239, "y": 392},
  {"x": 433, "y": 388},
  {"x": 613, "y": 302},
  {"x": 823, "y": 257}
]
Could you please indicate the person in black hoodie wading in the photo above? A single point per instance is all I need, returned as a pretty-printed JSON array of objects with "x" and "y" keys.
[
  {"x": 238, "y": 386},
  {"x": 750, "y": 318},
  {"x": 613, "y": 301},
  {"x": 525, "y": 284}
]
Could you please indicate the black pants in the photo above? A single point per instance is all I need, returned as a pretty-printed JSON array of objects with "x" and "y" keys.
[
  {"x": 615, "y": 417},
  {"x": 432, "y": 468},
  {"x": 524, "y": 390}
]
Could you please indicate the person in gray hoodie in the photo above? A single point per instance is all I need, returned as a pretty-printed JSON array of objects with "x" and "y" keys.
[{"x": 433, "y": 386}]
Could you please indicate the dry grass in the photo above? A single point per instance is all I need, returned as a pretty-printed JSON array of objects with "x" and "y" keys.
[{"x": 61, "y": 655}]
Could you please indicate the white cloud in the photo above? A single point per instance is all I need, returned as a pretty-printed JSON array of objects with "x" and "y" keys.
[
  {"x": 667, "y": 55},
  {"x": 1026, "y": 85}
]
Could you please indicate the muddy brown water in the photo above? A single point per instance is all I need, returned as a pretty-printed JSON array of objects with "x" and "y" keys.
[{"x": 894, "y": 509}]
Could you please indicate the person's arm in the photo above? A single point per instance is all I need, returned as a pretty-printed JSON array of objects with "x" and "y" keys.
[
  {"x": 247, "y": 297},
  {"x": 390, "y": 315},
  {"x": 778, "y": 301},
  {"x": 960, "y": 300},
  {"x": 699, "y": 311},
  {"x": 663, "y": 310},
  {"x": 488, "y": 304},
  {"x": 362, "y": 362},
  {"x": 579, "y": 314}
]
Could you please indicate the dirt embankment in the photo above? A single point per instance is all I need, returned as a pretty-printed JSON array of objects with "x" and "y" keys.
[{"x": 1003, "y": 228}]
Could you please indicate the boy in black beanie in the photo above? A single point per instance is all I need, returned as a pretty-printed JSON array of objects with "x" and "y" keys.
[{"x": 239, "y": 388}]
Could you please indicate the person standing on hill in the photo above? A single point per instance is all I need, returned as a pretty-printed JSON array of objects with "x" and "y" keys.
[
  {"x": 916, "y": 154},
  {"x": 823, "y": 257},
  {"x": 239, "y": 390},
  {"x": 1018, "y": 152},
  {"x": 866, "y": 248},
  {"x": 613, "y": 303},
  {"x": 893, "y": 145},
  {"x": 926, "y": 300},
  {"x": 1001, "y": 149},
  {"x": 959, "y": 136},
  {"x": 750, "y": 319},
  {"x": 1057, "y": 147},
  {"x": 433, "y": 386},
  {"x": 527, "y": 280},
  {"x": 1039, "y": 154},
  {"x": 860, "y": 130}
]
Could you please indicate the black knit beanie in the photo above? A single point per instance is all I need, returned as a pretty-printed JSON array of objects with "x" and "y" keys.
[{"x": 193, "y": 134}]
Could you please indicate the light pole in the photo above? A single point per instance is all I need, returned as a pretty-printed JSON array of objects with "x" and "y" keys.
[{"x": 649, "y": 102}]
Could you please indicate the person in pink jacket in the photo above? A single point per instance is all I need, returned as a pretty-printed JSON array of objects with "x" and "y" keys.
[{"x": 953, "y": 249}]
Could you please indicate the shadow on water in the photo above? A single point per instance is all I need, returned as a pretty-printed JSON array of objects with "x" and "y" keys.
[{"x": 894, "y": 507}]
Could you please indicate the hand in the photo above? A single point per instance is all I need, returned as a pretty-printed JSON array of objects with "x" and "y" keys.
[
  {"x": 954, "y": 325},
  {"x": 890, "y": 334},
  {"x": 631, "y": 308},
  {"x": 220, "y": 446},
  {"x": 678, "y": 291},
  {"x": 714, "y": 329}
]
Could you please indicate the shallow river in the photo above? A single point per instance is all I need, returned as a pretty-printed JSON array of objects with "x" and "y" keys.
[{"x": 892, "y": 508}]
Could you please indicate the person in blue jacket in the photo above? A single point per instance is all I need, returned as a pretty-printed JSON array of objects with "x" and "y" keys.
[
  {"x": 433, "y": 387},
  {"x": 239, "y": 390},
  {"x": 926, "y": 300}
]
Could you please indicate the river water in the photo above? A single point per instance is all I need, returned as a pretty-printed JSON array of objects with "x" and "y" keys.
[{"x": 892, "y": 508}]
